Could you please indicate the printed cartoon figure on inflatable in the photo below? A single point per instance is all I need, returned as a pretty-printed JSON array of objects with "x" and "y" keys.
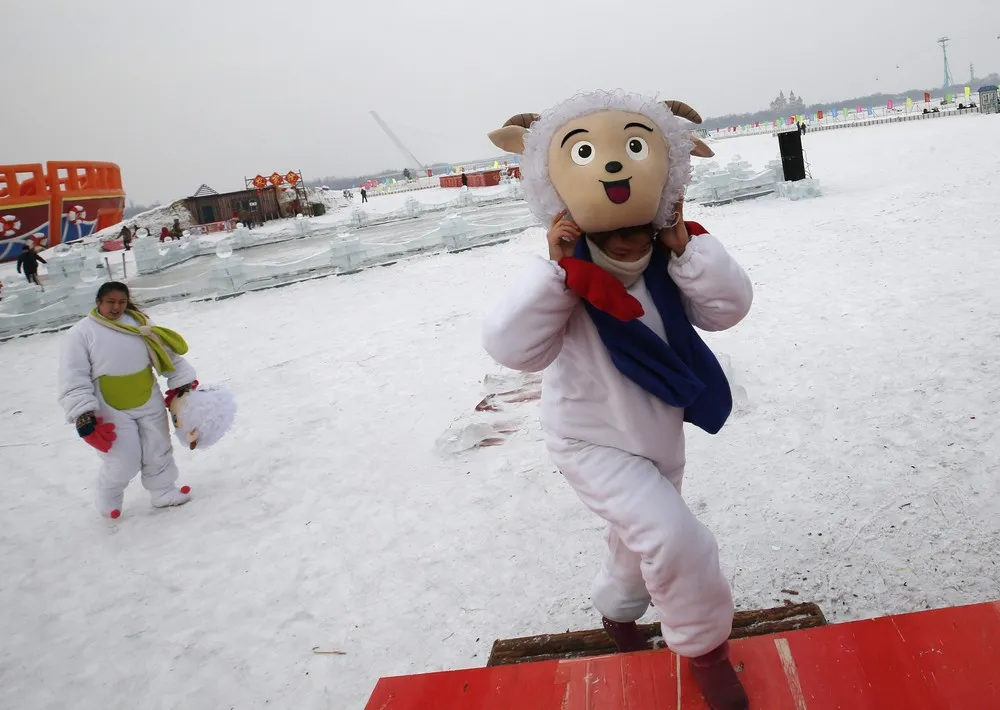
[{"x": 42, "y": 206}]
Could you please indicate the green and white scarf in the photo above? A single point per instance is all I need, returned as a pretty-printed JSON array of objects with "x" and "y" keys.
[{"x": 157, "y": 338}]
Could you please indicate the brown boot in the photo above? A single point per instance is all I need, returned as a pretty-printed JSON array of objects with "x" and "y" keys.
[
  {"x": 717, "y": 680},
  {"x": 626, "y": 635}
]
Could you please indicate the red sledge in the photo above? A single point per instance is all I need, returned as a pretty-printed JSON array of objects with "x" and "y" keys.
[{"x": 946, "y": 659}]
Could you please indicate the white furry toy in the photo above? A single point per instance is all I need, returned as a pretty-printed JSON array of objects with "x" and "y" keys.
[{"x": 203, "y": 415}]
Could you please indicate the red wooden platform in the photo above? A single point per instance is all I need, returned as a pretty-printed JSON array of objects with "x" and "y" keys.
[{"x": 932, "y": 660}]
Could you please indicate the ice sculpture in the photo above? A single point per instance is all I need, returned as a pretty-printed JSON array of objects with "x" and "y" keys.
[
  {"x": 800, "y": 189},
  {"x": 712, "y": 185},
  {"x": 346, "y": 252},
  {"x": 228, "y": 275},
  {"x": 454, "y": 231},
  {"x": 224, "y": 249}
]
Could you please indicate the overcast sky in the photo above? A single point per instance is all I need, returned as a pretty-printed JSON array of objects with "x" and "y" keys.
[{"x": 184, "y": 92}]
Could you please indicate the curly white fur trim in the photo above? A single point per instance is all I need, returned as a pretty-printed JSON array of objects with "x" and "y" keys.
[
  {"x": 542, "y": 198},
  {"x": 211, "y": 410}
]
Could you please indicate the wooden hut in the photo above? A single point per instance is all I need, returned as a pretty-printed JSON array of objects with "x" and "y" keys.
[{"x": 208, "y": 206}]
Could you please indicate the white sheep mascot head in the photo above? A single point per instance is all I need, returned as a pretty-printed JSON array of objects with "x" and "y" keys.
[
  {"x": 202, "y": 416},
  {"x": 613, "y": 159}
]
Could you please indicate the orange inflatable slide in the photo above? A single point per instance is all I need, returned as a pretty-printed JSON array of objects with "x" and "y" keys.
[{"x": 62, "y": 202}]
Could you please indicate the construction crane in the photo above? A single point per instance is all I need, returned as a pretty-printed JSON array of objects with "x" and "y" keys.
[{"x": 410, "y": 157}]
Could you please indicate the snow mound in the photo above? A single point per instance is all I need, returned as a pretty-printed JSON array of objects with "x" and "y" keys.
[{"x": 152, "y": 220}]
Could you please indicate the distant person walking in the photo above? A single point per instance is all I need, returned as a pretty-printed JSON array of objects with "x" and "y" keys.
[
  {"x": 364, "y": 195},
  {"x": 28, "y": 261},
  {"x": 465, "y": 179}
]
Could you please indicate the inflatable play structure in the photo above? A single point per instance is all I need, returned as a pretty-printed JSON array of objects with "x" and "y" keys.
[{"x": 60, "y": 202}]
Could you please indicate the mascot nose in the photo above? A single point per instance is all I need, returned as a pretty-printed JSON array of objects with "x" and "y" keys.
[{"x": 613, "y": 167}]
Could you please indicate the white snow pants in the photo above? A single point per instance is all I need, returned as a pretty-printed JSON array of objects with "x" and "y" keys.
[
  {"x": 657, "y": 550},
  {"x": 142, "y": 445}
]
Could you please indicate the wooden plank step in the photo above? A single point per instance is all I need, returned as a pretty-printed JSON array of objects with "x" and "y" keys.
[
  {"x": 596, "y": 642},
  {"x": 934, "y": 660}
]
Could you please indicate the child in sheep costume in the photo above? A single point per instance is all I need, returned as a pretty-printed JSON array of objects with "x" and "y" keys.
[
  {"x": 609, "y": 318},
  {"x": 108, "y": 390}
]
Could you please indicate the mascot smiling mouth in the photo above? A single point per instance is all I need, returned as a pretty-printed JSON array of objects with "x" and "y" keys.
[{"x": 618, "y": 190}]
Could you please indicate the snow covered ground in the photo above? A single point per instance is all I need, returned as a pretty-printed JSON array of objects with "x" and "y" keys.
[{"x": 860, "y": 470}]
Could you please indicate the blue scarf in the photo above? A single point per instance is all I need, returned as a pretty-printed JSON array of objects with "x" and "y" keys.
[{"x": 685, "y": 373}]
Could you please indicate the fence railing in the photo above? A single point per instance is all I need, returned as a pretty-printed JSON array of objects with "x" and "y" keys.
[
  {"x": 317, "y": 247},
  {"x": 830, "y": 123}
]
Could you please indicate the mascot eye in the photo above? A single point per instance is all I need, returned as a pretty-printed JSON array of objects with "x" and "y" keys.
[
  {"x": 582, "y": 152},
  {"x": 637, "y": 148}
]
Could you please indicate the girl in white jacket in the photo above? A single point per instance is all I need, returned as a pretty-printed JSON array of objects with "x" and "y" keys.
[
  {"x": 108, "y": 390},
  {"x": 608, "y": 316}
]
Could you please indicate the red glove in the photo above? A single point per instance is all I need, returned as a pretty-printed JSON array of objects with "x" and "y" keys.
[
  {"x": 171, "y": 394},
  {"x": 96, "y": 432},
  {"x": 599, "y": 288}
]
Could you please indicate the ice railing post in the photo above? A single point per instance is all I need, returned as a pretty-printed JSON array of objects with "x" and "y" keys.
[
  {"x": 346, "y": 253},
  {"x": 241, "y": 236},
  {"x": 228, "y": 275},
  {"x": 302, "y": 226},
  {"x": 454, "y": 231}
]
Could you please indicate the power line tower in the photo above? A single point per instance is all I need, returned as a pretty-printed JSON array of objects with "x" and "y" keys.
[
  {"x": 972, "y": 74},
  {"x": 948, "y": 81}
]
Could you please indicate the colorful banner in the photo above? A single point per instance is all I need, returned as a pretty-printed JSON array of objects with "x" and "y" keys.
[
  {"x": 968, "y": 91},
  {"x": 909, "y": 103},
  {"x": 889, "y": 105}
]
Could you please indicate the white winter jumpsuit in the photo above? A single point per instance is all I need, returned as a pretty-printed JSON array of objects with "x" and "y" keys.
[
  {"x": 620, "y": 447},
  {"x": 108, "y": 372}
]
